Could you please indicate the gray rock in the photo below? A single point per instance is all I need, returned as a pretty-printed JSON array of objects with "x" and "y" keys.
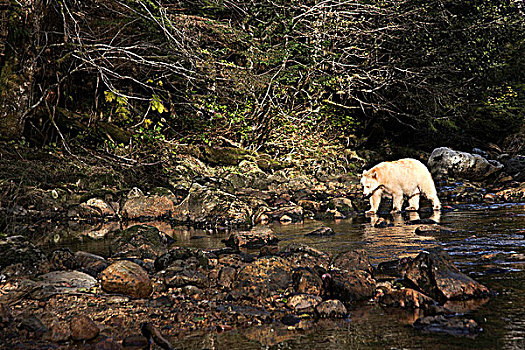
[
  {"x": 331, "y": 309},
  {"x": 447, "y": 162}
]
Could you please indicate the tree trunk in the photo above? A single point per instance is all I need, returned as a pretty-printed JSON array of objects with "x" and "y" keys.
[{"x": 20, "y": 22}]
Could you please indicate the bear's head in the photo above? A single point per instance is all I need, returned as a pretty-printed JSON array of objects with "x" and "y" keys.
[{"x": 370, "y": 182}]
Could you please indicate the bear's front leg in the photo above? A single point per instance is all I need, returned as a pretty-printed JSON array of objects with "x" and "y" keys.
[
  {"x": 375, "y": 200},
  {"x": 397, "y": 199}
]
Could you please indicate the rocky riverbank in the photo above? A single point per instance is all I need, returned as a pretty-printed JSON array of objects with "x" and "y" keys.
[
  {"x": 148, "y": 289},
  {"x": 152, "y": 290}
]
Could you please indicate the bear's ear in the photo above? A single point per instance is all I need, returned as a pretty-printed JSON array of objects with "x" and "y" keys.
[{"x": 374, "y": 175}]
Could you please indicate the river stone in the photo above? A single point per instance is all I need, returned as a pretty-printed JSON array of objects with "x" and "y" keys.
[
  {"x": 264, "y": 277},
  {"x": 349, "y": 286},
  {"x": 63, "y": 259},
  {"x": 226, "y": 276},
  {"x": 256, "y": 238},
  {"x": 407, "y": 298},
  {"x": 301, "y": 255},
  {"x": 211, "y": 205},
  {"x": 303, "y": 303},
  {"x": 181, "y": 253},
  {"x": 174, "y": 278},
  {"x": 332, "y": 308},
  {"x": 139, "y": 241},
  {"x": 307, "y": 281},
  {"x": 96, "y": 207},
  {"x": 67, "y": 281},
  {"x": 83, "y": 328},
  {"x": 153, "y": 206},
  {"x": 58, "y": 332},
  {"x": 90, "y": 263},
  {"x": 293, "y": 213},
  {"x": 434, "y": 274},
  {"x": 321, "y": 232},
  {"x": 450, "y": 325},
  {"x": 447, "y": 162},
  {"x": 352, "y": 260},
  {"x": 126, "y": 277},
  {"x": 6, "y": 316}
]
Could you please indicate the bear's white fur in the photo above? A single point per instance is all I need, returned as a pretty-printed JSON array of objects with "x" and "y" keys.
[{"x": 405, "y": 177}]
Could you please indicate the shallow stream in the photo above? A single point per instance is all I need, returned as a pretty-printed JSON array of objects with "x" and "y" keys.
[{"x": 486, "y": 242}]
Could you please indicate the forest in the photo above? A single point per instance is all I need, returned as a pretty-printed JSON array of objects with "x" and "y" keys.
[{"x": 294, "y": 79}]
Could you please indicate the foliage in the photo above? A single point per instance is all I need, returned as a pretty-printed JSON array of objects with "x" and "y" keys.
[{"x": 259, "y": 71}]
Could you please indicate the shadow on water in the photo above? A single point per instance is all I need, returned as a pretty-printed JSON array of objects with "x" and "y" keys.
[{"x": 486, "y": 242}]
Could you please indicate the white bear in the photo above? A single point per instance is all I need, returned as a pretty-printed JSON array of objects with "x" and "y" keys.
[{"x": 405, "y": 177}]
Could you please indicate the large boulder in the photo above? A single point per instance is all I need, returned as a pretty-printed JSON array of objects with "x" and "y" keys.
[
  {"x": 139, "y": 241},
  {"x": 447, "y": 162},
  {"x": 256, "y": 238},
  {"x": 126, "y": 277},
  {"x": 434, "y": 274},
  {"x": 206, "y": 204},
  {"x": 139, "y": 205}
]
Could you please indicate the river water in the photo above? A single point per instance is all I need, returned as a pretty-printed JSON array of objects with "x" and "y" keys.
[{"x": 486, "y": 242}]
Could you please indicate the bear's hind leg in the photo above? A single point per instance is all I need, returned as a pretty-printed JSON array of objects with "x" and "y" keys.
[{"x": 413, "y": 203}]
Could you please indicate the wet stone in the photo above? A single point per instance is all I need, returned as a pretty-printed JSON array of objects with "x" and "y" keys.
[
  {"x": 435, "y": 274},
  {"x": 251, "y": 239},
  {"x": 90, "y": 263},
  {"x": 83, "y": 328},
  {"x": 446, "y": 324},
  {"x": 176, "y": 278},
  {"x": 307, "y": 281},
  {"x": 321, "y": 232},
  {"x": 349, "y": 286},
  {"x": 352, "y": 260},
  {"x": 181, "y": 253},
  {"x": 303, "y": 303},
  {"x": 408, "y": 298},
  {"x": 332, "y": 308},
  {"x": 63, "y": 259}
]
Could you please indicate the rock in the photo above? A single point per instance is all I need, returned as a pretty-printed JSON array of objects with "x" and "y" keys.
[
  {"x": 175, "y": 278},
  {"x": 138, "y": 206},
  {"x": 264, "y": 277},
  {"x": 302, "y": 255},
  {"x": 256, "y": 238},
  {"x": 17, "y": 250},
  {"x": 292, "y": 213},
  {"x": 435, "y": 275},
  {"x": 407, "y": 298},
  {"x": 33, "y": 324},
  {"x": 515, "y": 167},
  {"x": 67, "y": 281},
  {"x": 136, "y": 342},
  {"x": 139, "y": 241},
  {"x": 149, "y": 331},
  {"x": 181, "y": 253},
  {"x": 83, "y": 328},
  {"x": 126, "y": 277},
  {"x": 105, "y": 344},
  {"x": 320, "y": 232},
  {"x": 353, "y": 260},
  {"x": 331, "y": 309},
  {"x": 394, "y": 268},
  {"x": 449, "y": 325},
  {"x": 90, "y": 263},
  {"x": 6, "y": 316},
  {"x": 63, "y": 259},
  {"x": 227, "y": 277},
  {"x": 342, "y": 205},
  {"x": 447, "y": 162},
  {"x": 96, "y": 207},
  {"x": 349, "y": 286},
  {"x": 307, "y": 281},
  {"x": 211, "y": 205},
  {"x": 58, "y": 333},
  {"x": 303, "y": 303}
]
